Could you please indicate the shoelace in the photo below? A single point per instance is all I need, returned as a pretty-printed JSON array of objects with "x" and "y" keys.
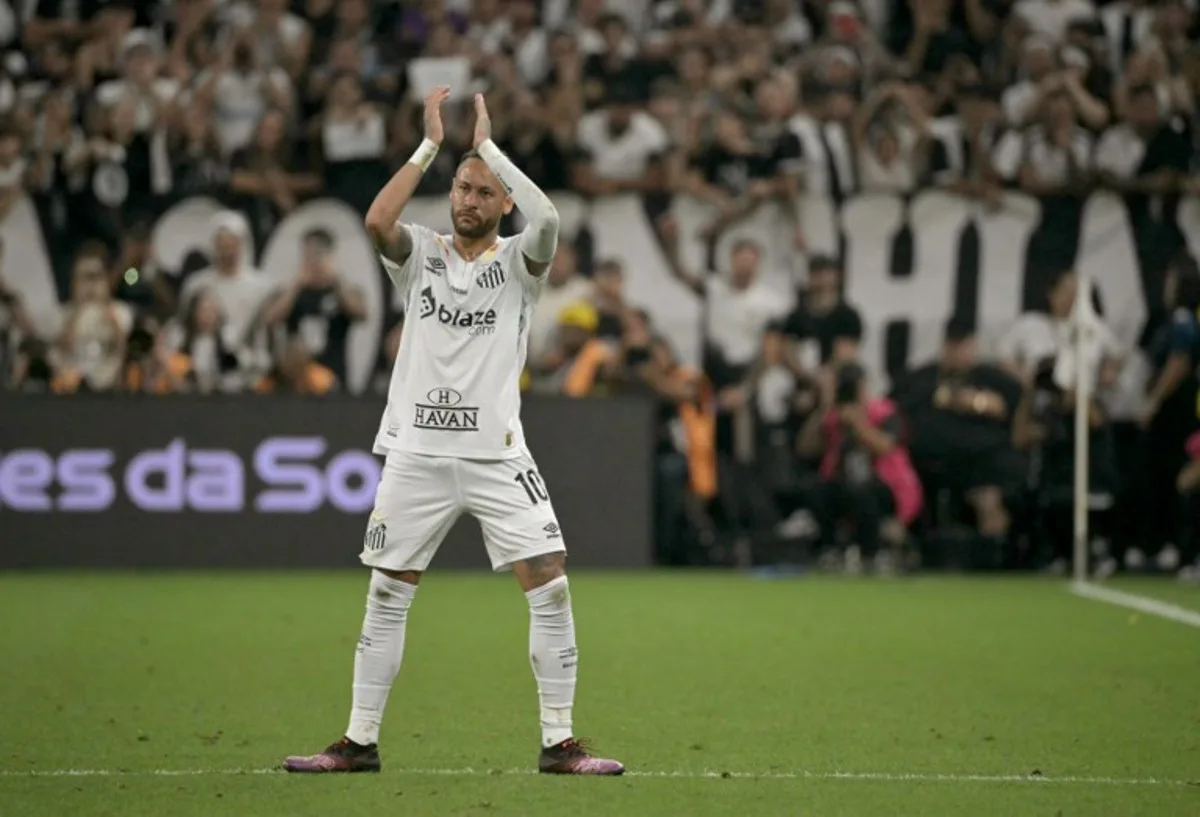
[
  {"x": 577, "y": 747},
  {"x": 339, "y": 747}
]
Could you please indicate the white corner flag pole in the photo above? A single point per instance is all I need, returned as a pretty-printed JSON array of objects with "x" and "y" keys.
[{"x": 1083, "y": 319}]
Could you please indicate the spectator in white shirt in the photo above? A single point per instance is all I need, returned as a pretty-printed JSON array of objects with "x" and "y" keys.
[
  {"x": 1020, "y": 100},
  {"x": 1148, "y": 66},
  {"x": 241, "y": 290},
  {"x": 891, "y": 137},
  {"x": 529, "y": 43},
  {"x": 738, "y": 309},
  {"x": 488, "y": 26},
  {"x": 564, "y": 286},
  {"x": 1050, "y": 158},
  {"x": 240, "y": 90},
  {"x": 282, "y": 38},
  {"x": 1146, "y": 153},
  {"x": 620, "y": 149},
  {"x": 1040, "y": 336},
  {"x": 140, "y": 81},
  {"x": 1128, "y": 24},
  {"x": 90, "y": 350}
]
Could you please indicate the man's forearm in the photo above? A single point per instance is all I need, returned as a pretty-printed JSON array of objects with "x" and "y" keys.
[
  {"x": 878, "y": 442},
  {"x": 540, "y": 238},
  {"x": 391, "y": 200}
]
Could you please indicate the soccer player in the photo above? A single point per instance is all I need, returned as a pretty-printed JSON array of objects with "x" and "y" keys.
[{"x": 452, "y": 436}]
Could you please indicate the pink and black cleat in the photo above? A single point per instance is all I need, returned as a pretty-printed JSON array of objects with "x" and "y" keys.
[
  {"x": 572, "y": 757},
  {"x": 343, "y": 756}
]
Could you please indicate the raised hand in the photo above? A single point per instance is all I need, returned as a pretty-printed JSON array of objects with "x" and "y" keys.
[
  {"x": 483, "y": 122},
  {"x": 434, "y": 131}
]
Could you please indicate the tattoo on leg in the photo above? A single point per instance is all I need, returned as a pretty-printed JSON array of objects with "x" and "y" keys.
[{"x": 545, "y": 568}]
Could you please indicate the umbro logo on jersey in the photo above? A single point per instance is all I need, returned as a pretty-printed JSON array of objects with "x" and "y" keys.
[
  {"x": 434, "y": 265},
  {"x": 491, "y": 277},
  {"x": 479, "y": 322},
  {"x": 552, "y": 530}
]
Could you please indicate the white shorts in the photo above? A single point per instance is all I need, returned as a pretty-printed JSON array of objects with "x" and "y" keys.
[{"x": 419, "y": 499}]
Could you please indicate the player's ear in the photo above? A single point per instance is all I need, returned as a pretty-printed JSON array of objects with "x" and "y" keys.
[{"x": 508, "y": 205}]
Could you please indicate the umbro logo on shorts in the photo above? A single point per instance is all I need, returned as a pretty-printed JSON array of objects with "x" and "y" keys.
[
  {"x": 434, "y": 265},
  {"x": 552, "y": 530},
  {"x": 491, "y": 277}
]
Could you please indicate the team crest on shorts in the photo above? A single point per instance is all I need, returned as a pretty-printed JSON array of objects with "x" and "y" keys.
[{"x": 376, "y": 535}]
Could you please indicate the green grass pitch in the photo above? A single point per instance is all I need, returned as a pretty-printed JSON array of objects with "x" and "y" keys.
[{"x": 724, "y": 693}]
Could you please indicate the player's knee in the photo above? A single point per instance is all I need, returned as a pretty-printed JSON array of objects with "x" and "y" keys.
[
  {"x": 550, "y": 608},
  {"x": 539, "y": 571},
  {"x": 406, "y": 576}
]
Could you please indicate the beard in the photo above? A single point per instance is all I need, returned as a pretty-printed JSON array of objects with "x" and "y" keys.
[{"x": 474, "y": 228}]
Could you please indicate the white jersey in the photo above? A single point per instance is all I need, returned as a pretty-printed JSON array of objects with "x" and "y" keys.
[{"x": 455, "y": 388}]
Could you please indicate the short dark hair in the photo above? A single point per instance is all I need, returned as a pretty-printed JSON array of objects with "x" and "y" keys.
[
  {"x": 92, "y": 249},
  {"x": 1057, "y": 277},
  {"x": 468, "y": 156},
  {"x": 1143, "y": 90},
  {"x": 973, "y": 91},
  {"x": 611, "y": 19},
  {"x": 959, "y": 328},
  {"x": 821, "y": 262}
]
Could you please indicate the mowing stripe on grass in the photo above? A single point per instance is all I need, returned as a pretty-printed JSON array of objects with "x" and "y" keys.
[
  {"x": 886, "y": 777},
  {"x": 1142, "y": 604}
]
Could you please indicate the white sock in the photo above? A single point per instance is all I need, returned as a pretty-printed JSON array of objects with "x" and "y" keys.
[
  {"x": 553, "y": 656},
  {"x": 380, "y": 650}
]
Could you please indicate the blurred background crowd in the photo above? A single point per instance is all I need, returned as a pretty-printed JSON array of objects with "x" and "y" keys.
[{"x": 111, "y": 112}]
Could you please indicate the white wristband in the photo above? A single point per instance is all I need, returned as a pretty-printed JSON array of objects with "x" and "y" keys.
[{"x": 423, "y": 156}]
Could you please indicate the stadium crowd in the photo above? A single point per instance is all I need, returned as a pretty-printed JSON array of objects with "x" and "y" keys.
[{"x": 111, "y": 111}]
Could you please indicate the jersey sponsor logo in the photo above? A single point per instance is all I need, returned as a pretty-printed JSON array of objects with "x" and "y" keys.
[
  {"x": 435, "y": 265},
  {"x": 491, "y": 277},
  {"x": 478, "y": 322},
  {"x": 443, "y": 397},
  {"x": 433, "y": 417}
]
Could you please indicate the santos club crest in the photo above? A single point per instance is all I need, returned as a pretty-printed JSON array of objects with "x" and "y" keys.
[{"x": 491, "y": 277}]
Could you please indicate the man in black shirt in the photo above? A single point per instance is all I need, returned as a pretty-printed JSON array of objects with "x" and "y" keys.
[
  {"x": 320, "y": 306},
  {"x": 962, "y": 417},
  {"x": 827, "y": 328},
  {"x": 1146, "y": 154}
]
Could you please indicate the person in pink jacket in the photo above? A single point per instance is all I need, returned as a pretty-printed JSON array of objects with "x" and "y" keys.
[{"x": 866, "y": 475}]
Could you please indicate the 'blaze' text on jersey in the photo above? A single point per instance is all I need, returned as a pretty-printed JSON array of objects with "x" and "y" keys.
[{"x": 479, "y": 322}]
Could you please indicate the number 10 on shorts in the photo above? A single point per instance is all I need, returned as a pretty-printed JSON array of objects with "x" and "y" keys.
[{"x": 535, "y": 489}]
